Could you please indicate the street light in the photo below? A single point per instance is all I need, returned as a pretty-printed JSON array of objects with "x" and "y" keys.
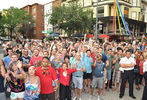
[{"x": 96, "y": 30}]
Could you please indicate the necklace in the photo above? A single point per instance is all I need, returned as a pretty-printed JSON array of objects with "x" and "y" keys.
[{"x": 45, "y": 72}]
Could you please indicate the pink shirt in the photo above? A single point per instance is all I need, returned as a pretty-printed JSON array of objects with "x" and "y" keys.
[{"x": 34, "y": 60}]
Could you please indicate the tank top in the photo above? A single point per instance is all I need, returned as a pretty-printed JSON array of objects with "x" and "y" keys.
[
  {"x": 31, "y": 90},
  {"x": 1, "y": 84},
  {"x": 17, "y": 85}
]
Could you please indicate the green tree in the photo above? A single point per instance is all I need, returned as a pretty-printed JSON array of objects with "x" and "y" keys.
[
  {"x": 71, "y": 18},
  {"x": 27, "y": 26},
  {"x": 13, "y": 19},
  {"x": 2, "y": 29}
]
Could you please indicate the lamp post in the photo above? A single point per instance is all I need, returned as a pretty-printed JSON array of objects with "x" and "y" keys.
[{"x": 96, "y": 30}]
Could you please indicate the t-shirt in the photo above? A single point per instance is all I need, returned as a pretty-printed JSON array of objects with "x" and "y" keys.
[
  {"x": 46, "y": 79},
  {"x": 65, "y": 78},
  {"x": 72, "y": 60},
  {"x": 145, "y": 66},
  {"x": 141, "y": 67},
  {"x": 80, "y": 65},
  {"x": 25, "y": 60},
  {"x": 7, "y": 61},
  {"x": 110, "y": 62},
  {"x": 93, "y": 55},
  {"x": 99, "y": 69},
  {"x": 88, "y": 64},
  {"x": 117, "y": 65},
  {"x": 104, "y": 58},
  {"x": 35, "y": 60}
]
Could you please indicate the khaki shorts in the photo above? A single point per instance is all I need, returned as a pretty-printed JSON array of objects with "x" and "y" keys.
[{"x": 97, "y": 82}]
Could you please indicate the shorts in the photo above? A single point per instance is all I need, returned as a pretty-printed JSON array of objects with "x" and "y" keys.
[
  {"x": 2, "y": 96},
  {"x": 17, "y": 95},
  {"x": 109, "y": 74},
  {"x": 87, "y": 76},
  {"x": 97, "y": 82},
  {"x": 116, "y": 76},
  {"x": 78, "y": 82},
  {"x": 50, "y": 96}
]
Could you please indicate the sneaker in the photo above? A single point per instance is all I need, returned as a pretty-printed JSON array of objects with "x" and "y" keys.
[
  {"x": 80, "y": 99},
  {"x": 90, "y": 97},
  {"x": 75, "y": 98},
  {"x": 98, "y": 98}
]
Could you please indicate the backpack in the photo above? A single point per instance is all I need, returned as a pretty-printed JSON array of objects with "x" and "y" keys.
[{"x": 99, "y": 69}]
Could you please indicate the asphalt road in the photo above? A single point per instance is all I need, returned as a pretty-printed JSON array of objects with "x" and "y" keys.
[{"x": 109, "y": 95}]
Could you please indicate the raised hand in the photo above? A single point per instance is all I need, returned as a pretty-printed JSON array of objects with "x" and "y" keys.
[{"x": 19, "y": 64}]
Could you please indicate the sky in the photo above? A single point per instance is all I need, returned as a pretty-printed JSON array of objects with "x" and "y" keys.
[{"x": 5, "y": 4}]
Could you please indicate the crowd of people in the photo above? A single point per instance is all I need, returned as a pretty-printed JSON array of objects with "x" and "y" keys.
[{"x": 63, "y": 69}]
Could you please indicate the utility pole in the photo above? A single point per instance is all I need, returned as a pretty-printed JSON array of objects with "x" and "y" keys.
[{"x": 96, "y": 26}]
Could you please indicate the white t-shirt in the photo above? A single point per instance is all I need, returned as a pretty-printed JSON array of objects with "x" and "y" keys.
[
  {"x": 125, "y": 60},
  {"x": 145, "y": 66}
]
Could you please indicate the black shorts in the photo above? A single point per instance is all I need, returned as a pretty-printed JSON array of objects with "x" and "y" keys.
[
  {"x": 87, "y": 76},
  {"x": 50, "y": 96}
]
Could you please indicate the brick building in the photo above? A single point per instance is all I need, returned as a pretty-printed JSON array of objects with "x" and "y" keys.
[
  {"x": 37, "y": 11},
  {"x": 57, "y": 3}
]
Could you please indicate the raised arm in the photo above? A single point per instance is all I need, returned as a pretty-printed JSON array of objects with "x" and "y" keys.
[{"x": 2, "y": 68}]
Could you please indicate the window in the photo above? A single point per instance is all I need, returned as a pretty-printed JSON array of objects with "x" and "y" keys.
[
  {"x": 34, "y": 10},
  {"x": 100, "y": 11},
  {"x": 34, "y": 17},
  {"x": 34, "y": 24},
  {"x": 134, "y": 15},
  {"x": 34, "y": 31},
  {"x": 134, "y": 2}
]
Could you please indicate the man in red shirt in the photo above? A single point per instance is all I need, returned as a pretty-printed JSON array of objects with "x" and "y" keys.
[
  {"x": 35, "y": 59},
  {"x": 47, "y": 75}
]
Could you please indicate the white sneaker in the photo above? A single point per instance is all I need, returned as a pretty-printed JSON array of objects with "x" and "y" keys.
[
  {"x": 98, "y": 98},
  {"x": 75, "y": 98},
  {"x": 80, "y": 99},
  {"x": 90, "y": 97}
]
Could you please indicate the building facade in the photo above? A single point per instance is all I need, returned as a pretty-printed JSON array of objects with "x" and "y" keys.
[
  {"x": 37, "y": 11},
  {"x": 132, "y": 11},
  {"x": 145, "y": 12}
]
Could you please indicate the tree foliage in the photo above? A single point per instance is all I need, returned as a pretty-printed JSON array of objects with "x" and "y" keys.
[
  {"x": 72, "y": 18},
  {"x": 14, "y": 18},
  {"x": 2, "y": 29}
]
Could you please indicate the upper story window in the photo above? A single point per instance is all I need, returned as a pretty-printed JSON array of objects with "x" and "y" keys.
[
  {"x": 134, "y": 2},
  {"x": 34, "y": 10},
  {"x": 134, "y": 15}
]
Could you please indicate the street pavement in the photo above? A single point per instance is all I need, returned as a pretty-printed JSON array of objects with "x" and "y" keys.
[{"x": 109, "y": 95}]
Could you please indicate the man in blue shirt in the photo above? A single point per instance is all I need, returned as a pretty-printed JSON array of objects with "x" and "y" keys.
[
  {"x": 7, "y": 59},
  {"x": 88, "y": 66},
  {"x": 98, "y": 75}
]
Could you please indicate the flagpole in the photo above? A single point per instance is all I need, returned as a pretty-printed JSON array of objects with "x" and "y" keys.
[{"x": 96, "y": 30}]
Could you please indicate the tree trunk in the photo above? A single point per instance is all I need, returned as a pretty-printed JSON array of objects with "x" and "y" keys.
[{"x": 11, "y": 34}]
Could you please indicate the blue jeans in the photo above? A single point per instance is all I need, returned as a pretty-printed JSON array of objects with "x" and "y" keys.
[{"x": 109, "y": 74}]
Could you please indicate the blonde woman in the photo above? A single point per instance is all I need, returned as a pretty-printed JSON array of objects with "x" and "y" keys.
[{"x": 32, "y": 83}]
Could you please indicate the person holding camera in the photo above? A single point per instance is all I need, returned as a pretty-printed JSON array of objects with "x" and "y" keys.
[{"x": 98, "y": 75}]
